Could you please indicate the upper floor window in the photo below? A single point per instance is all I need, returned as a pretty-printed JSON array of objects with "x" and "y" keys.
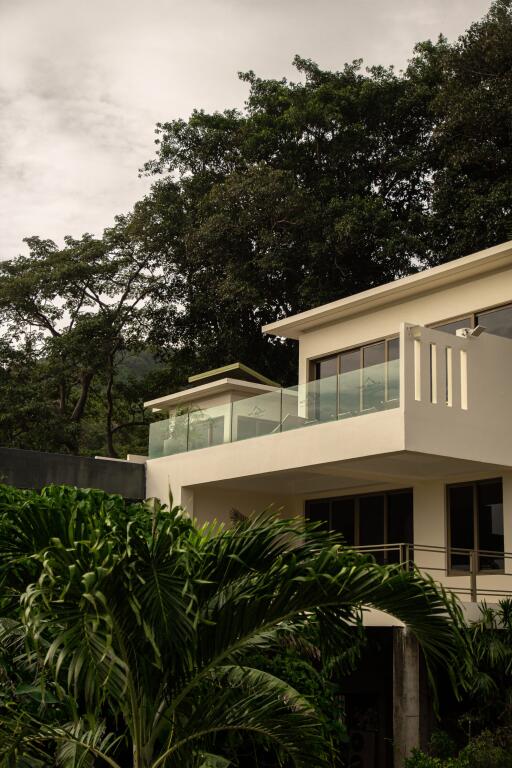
[
  {"x": 454, "y": 325},
  {"x": 365, "y": 378},
  {"x": 497, "y": 321},
  {"x": 475, "y": 523}
]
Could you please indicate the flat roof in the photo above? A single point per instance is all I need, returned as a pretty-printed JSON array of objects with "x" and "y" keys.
[
  {"x": 204, "y": 391},
  {"x": 235, "y": 371},
  {"x": 489, "y": 260}
]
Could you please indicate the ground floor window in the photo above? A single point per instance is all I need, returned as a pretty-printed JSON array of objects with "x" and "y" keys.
[
  {"x": 475, "y": 522},
  {"x": 368, "y": 520}
]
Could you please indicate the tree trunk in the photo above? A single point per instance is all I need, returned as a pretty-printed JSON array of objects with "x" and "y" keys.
[
  {"x": 62, "y": 397},
  {"x": 79, "y": 408},
  {"x": 110, "y": 409}
]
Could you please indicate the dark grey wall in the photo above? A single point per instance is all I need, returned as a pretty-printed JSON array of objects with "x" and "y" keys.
[{"x": 35, "y": 469}]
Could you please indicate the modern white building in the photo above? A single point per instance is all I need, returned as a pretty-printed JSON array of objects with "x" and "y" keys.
[{"x": 398, "y": 433}]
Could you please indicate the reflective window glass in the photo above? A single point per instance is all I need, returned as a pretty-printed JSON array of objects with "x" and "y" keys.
[
  {"x": 319, "y": 512},
  {"x": 326, "y": 368},
  {"x": 342, "y": 519},
  {"x": 490, "y": 525},
  {"x": 461, "y": 525},
  {"x": 455, "y": 325},
  {"x": 497, "y": 321},
  {"x": 476, "y": 523},
  {"x": 371, "y": 522},
  {"x": 350, "y": 382},
  {"x": 400, "y": 522},
  {"x": 374, "y": 376},
  {"x": 393, "y": 369}
]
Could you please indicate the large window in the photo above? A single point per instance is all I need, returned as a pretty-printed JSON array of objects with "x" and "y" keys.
[
  {"x": 369, "y": 520},
  {"x": 475, "y": 522},
  {"x": 497, "y": 321},
  {"x": 365, "y": 378}
]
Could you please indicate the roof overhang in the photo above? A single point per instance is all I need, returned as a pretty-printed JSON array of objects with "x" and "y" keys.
[
  {"x": 436, "y": 278},
  {"x": 233, "y": 371},
  {"x": 204, "y": 391}
]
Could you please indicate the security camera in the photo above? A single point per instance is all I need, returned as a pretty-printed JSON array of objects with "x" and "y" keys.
[{"x": 466, "y": 332}]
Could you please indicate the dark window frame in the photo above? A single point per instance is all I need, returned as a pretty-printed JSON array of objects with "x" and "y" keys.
[
  {"x": 314, "y": 362},
  {"x": 474, "y": 484},
  {"x": 471, "y": 315},
  {"x": 356, "y": 497}
]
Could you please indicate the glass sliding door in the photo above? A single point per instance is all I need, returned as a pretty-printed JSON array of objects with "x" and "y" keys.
[
  {"x": 393, "y": 370},
  {"x": 374, "y": 376},
  {"x": 490, "y": 525},
  {"x": 399, "y": 522},
  {"x": 369, "y": 520},
  {"x": 460, "y": 499},
  {"x": 325, "y": 391},
  {"x": 343, "y": 519},
  {"x": 372, "y": 524},
  {"x": 319, "y": 511},
  {"x": 359, "y": 380},
  {"x": 350, "y": 383},
  {"x": 475, "y": 520}
]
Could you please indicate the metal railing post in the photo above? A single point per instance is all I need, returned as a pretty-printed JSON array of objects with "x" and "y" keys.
[
  {"x": 473, "y": 565},
  {"x": 188, "y": 428},
  {"x": 407, "y": 557}
]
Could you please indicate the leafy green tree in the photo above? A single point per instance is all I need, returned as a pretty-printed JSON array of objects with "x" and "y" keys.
[
  {"x": 470, "y": 150},
  {"x": 315, "y": 190},
  {"x": 325, "y": 187},
  {"x": 146, "y": 625},
  {"x": 78, "y": 310}
]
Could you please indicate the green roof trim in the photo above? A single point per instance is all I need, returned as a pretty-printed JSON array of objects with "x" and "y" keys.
[{"x": 235, "y": 369}]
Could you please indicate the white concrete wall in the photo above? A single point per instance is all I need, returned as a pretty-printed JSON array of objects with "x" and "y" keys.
[
  {"x": 432, "y": 307},
  {"x": 476, "y": 425},
  {"x": 369, "y": 435},
  {"x": 207, "y": 504}
]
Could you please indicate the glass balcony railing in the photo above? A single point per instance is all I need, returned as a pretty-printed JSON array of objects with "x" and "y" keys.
[{"x": 367, "y": 390}]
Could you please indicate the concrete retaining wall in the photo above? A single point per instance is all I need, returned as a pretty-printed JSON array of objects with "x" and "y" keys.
[{"x": 35, "y": 469}]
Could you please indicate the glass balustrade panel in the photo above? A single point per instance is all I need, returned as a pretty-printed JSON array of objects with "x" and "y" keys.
[
  {"x": 209, "y": 426},
  {"x": 256, "y": 416},
  {"x": 308, "y": 404},
  {"x": 168, "y": 436},
  {"x": 354, "y": 393},
  {"x": 369, "y": 389}
]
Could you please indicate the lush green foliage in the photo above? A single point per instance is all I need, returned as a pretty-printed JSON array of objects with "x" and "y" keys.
[
  {"x": 491, "y": 749},
  {"x": 132, "y": 637},
  {"x": 485, "y": 716},
  {"x": 315, "y": 190},
  {"x": 491, "y": 681}
]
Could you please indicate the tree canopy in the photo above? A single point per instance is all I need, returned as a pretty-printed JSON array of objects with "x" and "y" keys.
[{"x": 316, "y": 189}]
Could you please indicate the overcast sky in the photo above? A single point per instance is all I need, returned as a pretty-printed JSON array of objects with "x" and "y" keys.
[{"x": 83, "y": 82}]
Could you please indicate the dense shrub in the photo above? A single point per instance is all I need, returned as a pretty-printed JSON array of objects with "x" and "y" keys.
[{"x": 488, "y": 750}]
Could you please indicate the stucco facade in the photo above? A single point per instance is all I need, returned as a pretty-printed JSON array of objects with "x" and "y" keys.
[
  {"x": 450, "y": 424},
  {"x": 429, "y": 425}
]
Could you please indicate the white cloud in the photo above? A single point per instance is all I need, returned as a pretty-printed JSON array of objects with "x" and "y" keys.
[{"x": 82, "y": 83}]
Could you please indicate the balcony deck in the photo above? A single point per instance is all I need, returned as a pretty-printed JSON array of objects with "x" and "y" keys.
[
  {"x": 440, "y": 414},
  {"x": 446, "y": 396}
]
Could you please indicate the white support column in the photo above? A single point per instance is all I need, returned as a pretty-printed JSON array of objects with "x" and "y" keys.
[{"x": 406, "y": 695}]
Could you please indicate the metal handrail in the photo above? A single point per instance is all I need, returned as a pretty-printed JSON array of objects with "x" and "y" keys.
[{"x": 407, "y": 550}]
